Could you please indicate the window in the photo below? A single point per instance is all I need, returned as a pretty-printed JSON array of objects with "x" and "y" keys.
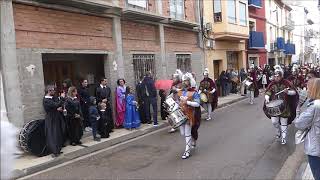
[
  {"x": 252, "y": 26},
  {"x": 177, "y": 9},
  {"x": 143, "y": 63},
  {"x": 184, "y": 62},
  {"x": 217, "y": 11},
  {"x": 232, "y": 11},
  {"x": 232, "y": 60},
  {"x": 138, "y": 3},
  {"x": 243, "y": 13}
]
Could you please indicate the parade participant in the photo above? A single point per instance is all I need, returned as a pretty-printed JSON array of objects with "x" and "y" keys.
[
  {"x": 296, "y": 79},
  {"x": 132, "y": 118},
  {"x": 176, "y": 85},
  {"x": 252, "y": 85},
  {"x": 281, "y": 89},
  {"x": 120, "y": 102},
  {"x": 207, "y": 89},
  {"x": 189, "y": 99}
]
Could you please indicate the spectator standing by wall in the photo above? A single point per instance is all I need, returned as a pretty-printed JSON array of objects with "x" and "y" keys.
[
  {"x": 139, "y": 90},
  {"x": 224, "y": 83},
  {"x": 120, "y": 102},
  {"x": 150, "y": 98},
  {"x": 132, "y": 118},
  {"x": 54, "y": 122},
  {"x": 103, "y": 94},
  {"x": 94, "y": 117},
  {"x": 74, "y": 117},
  {"x": 84, "y": 97}
]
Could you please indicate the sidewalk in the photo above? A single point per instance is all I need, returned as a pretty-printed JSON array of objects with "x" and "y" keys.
[
  {"x": 28, "y": 164},
  {"x": 307, "y": 175}
]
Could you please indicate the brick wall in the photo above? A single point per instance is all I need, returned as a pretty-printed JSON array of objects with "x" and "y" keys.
[
  {"x": 180, "y": 40},
  {"x": 139, "y": 37},
  {"x": 45, "y": 28}
]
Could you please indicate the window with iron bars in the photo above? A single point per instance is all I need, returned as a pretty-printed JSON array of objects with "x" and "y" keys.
[
  {"x": 184, "y": 62},
  {"x": 142, "y": 63}
]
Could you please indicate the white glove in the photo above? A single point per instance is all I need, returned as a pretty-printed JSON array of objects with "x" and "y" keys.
[
  {"x": 199, "y": 91},
  {"x": 213, "y": 90},
  {"x": 98, "y": 118},
  {"x": 267, "y": 98}
]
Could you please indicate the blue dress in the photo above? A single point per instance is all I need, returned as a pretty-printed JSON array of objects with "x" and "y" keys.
[{"x": 132, "y": 117}]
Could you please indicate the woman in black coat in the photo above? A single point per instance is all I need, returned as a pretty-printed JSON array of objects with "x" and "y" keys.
[
  {"x": 54, "y": 122},
  {"x": 224, "y": 83},
  {"x": 74, "y": 117}
]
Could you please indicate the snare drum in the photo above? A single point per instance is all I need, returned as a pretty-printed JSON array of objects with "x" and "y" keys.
[
  {"x": 203, "y": 98},
  {"x": 177, "y": 118},
  {"x": 275, "y": 108}
]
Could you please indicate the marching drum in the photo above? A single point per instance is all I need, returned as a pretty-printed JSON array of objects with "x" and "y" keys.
[
  {"x": 247, "y": 83},
  {"x": 176, "y": 117},
  {"x": 275, "y": 108},
  {"x": 203, "y": 98},
  {"x": 32, "y": 138}
]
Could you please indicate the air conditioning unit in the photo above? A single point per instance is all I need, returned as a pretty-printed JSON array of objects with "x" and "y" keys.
[
  {"x": 208, "y": 26},
  {"x": 210, "y": 43},
  {"x": 217, "y": 19}
]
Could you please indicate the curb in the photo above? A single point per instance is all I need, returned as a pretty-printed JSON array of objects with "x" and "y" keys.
[
  {"x": 301, "y": 170},
  {"x": 293, "y": 166},
  {"x": 84, "y": 151}
]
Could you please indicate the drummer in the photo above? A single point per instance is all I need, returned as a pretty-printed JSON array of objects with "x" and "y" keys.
[
  {"x": 288, "y": 94},
  {"x": 188, "y": 99},
  {"x": 176, "y": 85},
  {"x": 252, "y": 89},
  {"x": 208, "y": 88}
]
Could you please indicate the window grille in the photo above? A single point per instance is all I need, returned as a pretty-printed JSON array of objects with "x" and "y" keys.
[
  {"x": 184, "y": 62},
  {"x": 142, "y": 63}
]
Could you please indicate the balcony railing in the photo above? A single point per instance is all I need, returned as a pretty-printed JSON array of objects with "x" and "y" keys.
[
  {"x": 289, "y": 24},
  {"x": 290, "y": 48},
  {"x": 255, "y": 3},
  {"x": 256, "y": 40},
  {"x": 280, "y": 43}
]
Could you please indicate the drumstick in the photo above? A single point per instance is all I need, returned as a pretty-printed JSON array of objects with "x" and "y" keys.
[{"x": 281, "y": 91}]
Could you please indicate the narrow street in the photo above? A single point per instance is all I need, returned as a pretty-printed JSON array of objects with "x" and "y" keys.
[{"x": 238, "y": 144}]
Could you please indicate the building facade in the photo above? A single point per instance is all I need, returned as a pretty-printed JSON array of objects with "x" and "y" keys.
[
  {"x": 257, "y": 53},
  {"x": 226, "y": 31},
  {"x": 279, "y": 29},
  {"x": 45, "y": 41}
]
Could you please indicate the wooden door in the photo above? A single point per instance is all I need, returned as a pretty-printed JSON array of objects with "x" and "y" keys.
[
  {"x": 57, "y": 72},
  {"x": 216, "y": 69}
]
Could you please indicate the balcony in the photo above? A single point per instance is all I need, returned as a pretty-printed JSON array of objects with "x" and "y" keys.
[
  {"x": 290, "y": 48},
  {"x": 280, "y": 43},
  {"x": 289, "y": 24},
  {"x": 94, "y": 6},
  {"x": 255, "y": 3},
  {"x": 256, "y": 40}
]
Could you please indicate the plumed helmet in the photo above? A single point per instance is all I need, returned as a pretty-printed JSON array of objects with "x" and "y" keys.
[
  {"x": 178, "y": 74},
  {"x": 189, "y": 77},
  {"x": 252, "y": 66},
  {"x": 295, "y": 68},
  {"x": 206, "y": 72}
]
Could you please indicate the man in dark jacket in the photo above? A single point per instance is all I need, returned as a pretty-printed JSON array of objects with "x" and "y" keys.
[
  {"x": 140, "y": 90},
  {"x": 84, "y": 96},
  {"x": 149, "y": 95},
  {"x": 103, "y": 94}
]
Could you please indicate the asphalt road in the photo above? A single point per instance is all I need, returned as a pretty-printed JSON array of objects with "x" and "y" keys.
[{"x": 238, "y": 144}]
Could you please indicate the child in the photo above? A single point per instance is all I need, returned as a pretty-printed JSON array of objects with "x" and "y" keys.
[
  {"x": 104, "y": 128},
  {"x": 132, "y": 117},
  {"x": 94, "y": 117}
]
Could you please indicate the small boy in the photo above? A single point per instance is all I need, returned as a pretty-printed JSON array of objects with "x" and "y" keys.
[
  {"x": 103, "y": 126},
  {"x": 94, "y": 117}
]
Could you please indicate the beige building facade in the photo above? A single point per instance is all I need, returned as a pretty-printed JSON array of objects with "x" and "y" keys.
[{"x": 226, "y": 29}]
